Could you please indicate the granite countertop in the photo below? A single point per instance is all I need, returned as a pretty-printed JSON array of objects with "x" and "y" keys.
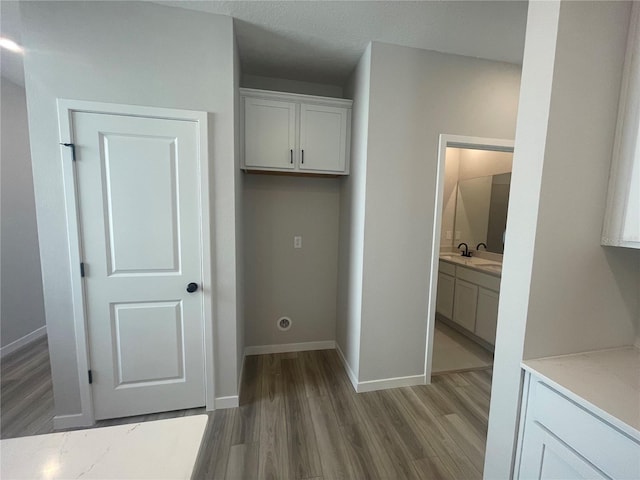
[
  {"x": 605, "y": 381},
  {"x": 165, "y": 449},
  {"x": 484, "y": 265}
]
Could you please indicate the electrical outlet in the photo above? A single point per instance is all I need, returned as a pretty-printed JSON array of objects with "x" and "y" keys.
[
  {"x": 297, "y": 241},
  {"x": 449, "y": 235}
]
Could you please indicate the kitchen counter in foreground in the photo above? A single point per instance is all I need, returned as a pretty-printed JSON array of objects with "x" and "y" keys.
[
  {"x": 162, "y": 449},
  {"x": 607, "y": 381}
]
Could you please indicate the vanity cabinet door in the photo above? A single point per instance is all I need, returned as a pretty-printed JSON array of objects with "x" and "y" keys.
[
  {"x": 487, "y": 315},
  {"x": 444, "y": 297},
  {"x": 270, "y": 134},
  {"x": 323, "y": 138},
  {"x": 465, "y": 303},
  {"x": 546, "y": 457}
]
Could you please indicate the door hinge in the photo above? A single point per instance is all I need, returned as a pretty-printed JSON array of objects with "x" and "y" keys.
[
  {"x": 82, "y": 269},
  {"x": 90, "y": 377},
  {"x": 73, "y": 149}
]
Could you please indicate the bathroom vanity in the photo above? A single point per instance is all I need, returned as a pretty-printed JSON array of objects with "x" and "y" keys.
[{"x": 468, "y": 293}]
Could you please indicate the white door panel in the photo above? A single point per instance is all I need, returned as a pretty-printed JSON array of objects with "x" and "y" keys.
[{"x": 138, "y": 190}]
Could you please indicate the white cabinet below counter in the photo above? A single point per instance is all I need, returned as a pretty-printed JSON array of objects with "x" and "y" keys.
[
  {"x": 469, "y": 298},
  {"x": 303, "y": 134},
  {"x": 580, "y": 417}
]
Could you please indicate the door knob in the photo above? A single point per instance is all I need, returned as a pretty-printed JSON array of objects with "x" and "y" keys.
[{"x": 192, "y": 287}]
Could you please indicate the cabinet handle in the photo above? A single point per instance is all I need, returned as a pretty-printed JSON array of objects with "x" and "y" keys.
[
  {"x": 302, "y": 156},
  {"x": 291, "y": 156}
]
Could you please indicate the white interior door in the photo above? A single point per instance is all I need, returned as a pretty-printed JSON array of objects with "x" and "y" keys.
[{"x": 139, "y": 207}]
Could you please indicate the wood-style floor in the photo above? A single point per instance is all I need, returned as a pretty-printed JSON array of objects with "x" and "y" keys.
[{"x": 299, "y": 418}]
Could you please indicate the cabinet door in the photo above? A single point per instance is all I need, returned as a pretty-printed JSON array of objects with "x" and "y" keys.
[
  {"x": 269, "y": 134},
  {"x": 464, "y": 305},
  {"x": 444, "y": 297},
  {"x": 545, "y": 457},
  {"x": 487, "y": 315},
  {"x": 323, "y": 138}
]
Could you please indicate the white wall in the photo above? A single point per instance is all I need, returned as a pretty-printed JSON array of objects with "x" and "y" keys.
[
  {"x": 561, "y": 292},
  {"x": 291, "y": 86},
  {"x": 22, "y": 301},
  {"x": 415, "y": 96},
  {"x": 133, "y": 53},
  {"x": 352, "y": 202},
  {"x": 283, "y": 281}
]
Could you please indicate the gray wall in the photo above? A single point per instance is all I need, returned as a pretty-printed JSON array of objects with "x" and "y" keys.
[
  {"x": 22, "y": 304},
  {"x": 283, "y": 281},
  {"x": 561, "y": 291},
  {"x": 352, "y": 199},
  {"x": 239, "y": 199},
  {"x": 415, "y": 96},
  {"x": 131, "y": 53},
  {"x": 291, "y": 86}
]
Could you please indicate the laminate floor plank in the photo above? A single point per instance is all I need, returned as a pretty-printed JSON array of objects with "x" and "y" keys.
[
  {"x": 213, "y": 456},
  {"x": 313, "y": 383},
  {"x": 247, "y": 426},
  {"x": 304, "y": 461},
  {"x": 300, "y": 418},
  {"x": 273, "y": 462},
  {"x": 243, "y": 461}
]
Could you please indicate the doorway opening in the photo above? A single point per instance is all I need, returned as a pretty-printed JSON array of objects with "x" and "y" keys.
[{"x": 471, "y": 206}]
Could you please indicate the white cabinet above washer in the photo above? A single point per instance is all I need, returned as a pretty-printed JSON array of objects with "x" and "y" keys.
[{"x": 292, "y": 133}]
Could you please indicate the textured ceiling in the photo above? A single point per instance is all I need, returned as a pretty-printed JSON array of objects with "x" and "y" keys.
[{"x": 321, "y": 41}]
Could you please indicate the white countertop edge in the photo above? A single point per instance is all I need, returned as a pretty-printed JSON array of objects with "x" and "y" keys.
[
  {"x": 606, "y": 416},
  {"x": 470, "y": 266}
]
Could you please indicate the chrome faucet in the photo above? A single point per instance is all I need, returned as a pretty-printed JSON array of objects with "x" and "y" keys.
[
  {"x": 483, "y": 244},
  {"x": 466, "y": 252}
]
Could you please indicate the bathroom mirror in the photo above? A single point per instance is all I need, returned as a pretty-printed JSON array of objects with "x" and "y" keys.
[{"x": 481, "y": 211}]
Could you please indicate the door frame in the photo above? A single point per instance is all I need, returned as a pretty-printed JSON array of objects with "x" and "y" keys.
[
  {"x": 66, "y": 108},
  {"x": 456, "y": 141}
]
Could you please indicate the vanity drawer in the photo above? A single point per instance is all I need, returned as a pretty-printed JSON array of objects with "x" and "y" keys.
[
  {"x": 600, "y": 443},
  {"x": 481, "y": 279},
  {"x": 448, "y": 268}
]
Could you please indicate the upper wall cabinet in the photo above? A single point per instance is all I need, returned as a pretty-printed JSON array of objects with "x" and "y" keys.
[
  {"x": 293, "y": 133},
  {"x": 622, "y": 216}
]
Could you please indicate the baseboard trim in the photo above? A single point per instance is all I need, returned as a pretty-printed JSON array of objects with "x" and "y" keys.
[
  {"x": 385, "y": 383},
  {"x": 290, "y": 347},
  {"x": 347, "y": 368},
  {"x": 23, "y": 341},
  {"x": 227, "y": 402},
  {"x": 65, "y": 422}
]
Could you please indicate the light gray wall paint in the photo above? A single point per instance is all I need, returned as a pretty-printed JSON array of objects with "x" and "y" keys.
[
  {"x": 132, "y": 53},
  {"x": 291, "y": 86},
  {"x": 239, "y": 190},
  {"x": 577, "y": 285},
  {"x": 283, "y": 281},
  {"x": 558, "y": 284},
  {"x": 352, "y": 202},
  {"x": 415, "y": 96},
  {"x": 22, "y": 301}
]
